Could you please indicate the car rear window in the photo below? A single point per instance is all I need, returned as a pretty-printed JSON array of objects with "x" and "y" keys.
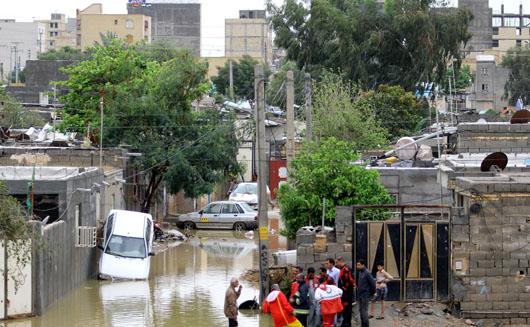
[{"x": 246, "y": 207}]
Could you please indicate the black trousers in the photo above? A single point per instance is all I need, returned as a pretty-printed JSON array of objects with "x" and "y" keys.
[
  {"x": 232, "y": 322},
  {"x": 346, "y": 315},
  {"x": 302, "y": 319},
  {"x": 363, "y": 311}
]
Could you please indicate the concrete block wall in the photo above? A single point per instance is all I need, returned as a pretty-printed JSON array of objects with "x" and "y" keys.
[
  {"x": 493, "y": 137},
  {"x": 339, "y": 242},
  {"x": 491, "y": 255}
]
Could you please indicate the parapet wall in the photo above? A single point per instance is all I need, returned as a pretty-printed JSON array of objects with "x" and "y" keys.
[{"x": 493, "y": 137}]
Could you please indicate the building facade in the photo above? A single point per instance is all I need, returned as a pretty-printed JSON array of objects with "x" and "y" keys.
[
  {"x": 481, "y": 25},
  {"x": 249, "y": 36},
  {"x": 58, "y": 32},
  {"x": 174, "y": 21},
  {"x": 19, "y": 42},
  {"x": 93, "y": 26},
  {"x": 490, "y": 80}
]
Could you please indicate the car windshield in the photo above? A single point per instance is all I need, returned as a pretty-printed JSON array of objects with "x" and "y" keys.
[
  {"x": 246, "y": 189},
  {"x": 129, "y": 247},
  {"x": 246, "y": 207}
]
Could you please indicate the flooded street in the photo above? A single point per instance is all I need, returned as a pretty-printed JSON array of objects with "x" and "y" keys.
[{"x": 186, "y": 288}]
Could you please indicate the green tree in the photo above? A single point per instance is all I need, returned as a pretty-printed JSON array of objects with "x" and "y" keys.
[
  {"x": 12, "y": 114},
  {"x": 276, "y": 95},
  {"x": 397, "y": 111},
  {"x": 243, "y": 74},
  {"x": 337, "y": 113},
  {"x": 462, "y": 79},
  {"x": 406, "y": 42},
  {"x": 327, "y": 172},
  {"x": 64, "y": 53},
  {"x": 17, "y": 233},
  {"x": 517, "y": 60},
  {"x": 148, "y": 107}
]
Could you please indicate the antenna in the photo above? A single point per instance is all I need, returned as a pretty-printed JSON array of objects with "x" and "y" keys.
[{"x": 496, "y": 161}]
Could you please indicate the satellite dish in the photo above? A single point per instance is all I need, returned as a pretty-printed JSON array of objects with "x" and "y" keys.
[
  {"x": 520, "y": 117},
  {"x": 407, "y": 148},
  {"x": 496, "y": 159}
]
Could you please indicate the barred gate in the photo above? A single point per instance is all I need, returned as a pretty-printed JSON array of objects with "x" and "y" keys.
[{"x": 413, "y": 246}]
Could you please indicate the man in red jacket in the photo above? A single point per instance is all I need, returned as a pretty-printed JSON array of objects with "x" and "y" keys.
[{"x": 282, "y": 312}]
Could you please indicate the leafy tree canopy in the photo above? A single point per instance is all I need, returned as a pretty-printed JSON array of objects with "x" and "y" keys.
[
  {"x": 518, "y": 85},
  {"x": 462, "y": 78},
  {"x": 397, "y": 111},
  {"x": 12, "y": 114},
  {"x": 406, "y": 42},
  {"x": 147, "y": 100},
  {"x": 327, "y": 172},
  {"x": 64, "y": 53},
  {"x": 337, "y": 112},
  {"x": 243, "y": 74}
]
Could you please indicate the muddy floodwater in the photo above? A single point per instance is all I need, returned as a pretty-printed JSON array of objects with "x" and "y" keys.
[{"x": 186, "y": 288}]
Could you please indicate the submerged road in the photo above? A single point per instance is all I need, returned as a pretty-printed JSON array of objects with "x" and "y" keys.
[{"x": 186, "y": 288}]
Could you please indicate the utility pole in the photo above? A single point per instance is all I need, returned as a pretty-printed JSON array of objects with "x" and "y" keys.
[
  {"x": 231, "y": 77},
  {"x": 289, "y": 85},
  {"x": 308, "y": 112},
  {"x": 263, "y": 219},
  {"x": 101, "y": 108}
]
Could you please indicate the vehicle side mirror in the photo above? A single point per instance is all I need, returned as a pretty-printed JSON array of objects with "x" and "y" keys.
[
  {"x": 101, "y": 248},
  {"x": 201, "y": 211},
  {"x": 151, "y": 254}
]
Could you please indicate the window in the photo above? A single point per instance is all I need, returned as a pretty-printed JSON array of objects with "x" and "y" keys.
[
  {"x": 115, "y": 22},
  {"x": 518, "y": 32},
  {"x": 128, "y": 247},
  {"x": 495, "y": 43},
  {"x": 518, "y": 43},
  {"x": 108, "y": 227},
  {"x": 77, "y": 215},
  {"x": 495, "y": 31},
  {"x": 230, "y": 208},
  {"x": 213, "y": 208},
  {"x": 148, "y": 229},
  {"x": 484, "y": 71},
  {"x": 129, "y": 24},
  {"x": 484, "y": 88}
]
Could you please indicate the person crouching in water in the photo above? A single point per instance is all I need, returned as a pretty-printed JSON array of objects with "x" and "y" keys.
[
  {"x": 282, "y": 312},
  {"x": 329, "y": 298},
  {"x": 381, "y": 278}
]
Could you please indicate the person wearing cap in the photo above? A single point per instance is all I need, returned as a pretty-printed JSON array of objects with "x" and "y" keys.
[
  {"x": 282, "y": 312},
  {"x": 301, "y": 300},
  {"x": 231, "y": 297}
]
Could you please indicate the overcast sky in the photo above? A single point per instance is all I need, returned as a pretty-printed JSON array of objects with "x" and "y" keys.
[{"x": 214, "y": 13}]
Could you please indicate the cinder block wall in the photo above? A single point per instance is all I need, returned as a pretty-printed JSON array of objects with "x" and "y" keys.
[
  {"x": 491, "y": 252},
  {"x": 493, "y": 137},
  {"x": 339, "y": 243}
]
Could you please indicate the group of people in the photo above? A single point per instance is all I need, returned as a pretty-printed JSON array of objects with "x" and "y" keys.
[{"x": 324, "y": 299}]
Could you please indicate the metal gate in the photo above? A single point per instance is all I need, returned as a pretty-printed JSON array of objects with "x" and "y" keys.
[{"x": 414, "y": 247}]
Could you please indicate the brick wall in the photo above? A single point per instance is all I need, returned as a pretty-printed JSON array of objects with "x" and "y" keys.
[
  {"x": 493, "y": 137},
  {"x": 339, "y": 242},
  {"x": 490, "y": 251}
]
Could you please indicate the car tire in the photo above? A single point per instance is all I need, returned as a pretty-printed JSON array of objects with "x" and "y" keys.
[
  {"x": 239, "y": 227},
  {"x": 189, "y": 225}
]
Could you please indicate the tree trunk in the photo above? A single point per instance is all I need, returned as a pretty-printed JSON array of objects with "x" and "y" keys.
[{"x": 154, "y": 182}]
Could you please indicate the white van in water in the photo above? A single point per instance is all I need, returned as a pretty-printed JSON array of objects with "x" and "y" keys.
[{"x": 127, "y": 245}]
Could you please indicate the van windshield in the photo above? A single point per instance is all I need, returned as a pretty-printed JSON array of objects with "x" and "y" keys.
[{"x": 129, "y": 247}]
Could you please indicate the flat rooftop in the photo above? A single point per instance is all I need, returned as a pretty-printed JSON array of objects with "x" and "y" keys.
[{"x": 16, "y": 173}]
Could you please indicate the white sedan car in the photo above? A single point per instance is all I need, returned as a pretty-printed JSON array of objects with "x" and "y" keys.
[{"x": 221, "y": 215}]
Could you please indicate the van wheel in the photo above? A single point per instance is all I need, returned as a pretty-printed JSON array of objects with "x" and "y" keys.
[
  {"x": 189, "y": 225},
  {"x": 239, "y": 227}
]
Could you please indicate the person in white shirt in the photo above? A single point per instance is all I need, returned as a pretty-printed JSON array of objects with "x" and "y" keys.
[{"x": 333, "y": 272}]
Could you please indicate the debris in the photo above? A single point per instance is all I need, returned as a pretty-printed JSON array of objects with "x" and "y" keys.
[
  {"x": 175, "y": 235},
  {"x": 469, "y": 322},
  {"x": 250, "y": 235},
  {"x": 426, "y": 311}
]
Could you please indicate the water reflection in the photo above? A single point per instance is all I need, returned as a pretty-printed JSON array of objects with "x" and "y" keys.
[{"x": 186, "y": 288}]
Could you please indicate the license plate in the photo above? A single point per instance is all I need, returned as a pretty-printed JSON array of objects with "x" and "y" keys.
[{"x": 203, "y": 219}]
